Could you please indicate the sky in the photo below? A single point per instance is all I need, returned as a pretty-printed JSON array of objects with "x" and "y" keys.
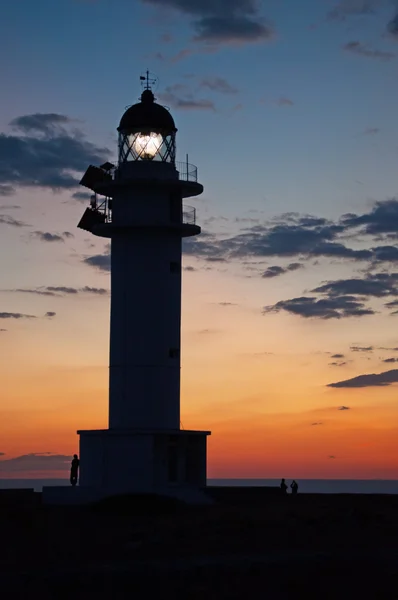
[{"x": 290, "y": 294}]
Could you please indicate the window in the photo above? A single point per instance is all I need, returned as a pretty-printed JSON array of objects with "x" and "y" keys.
[
  {"x": 174, "y": 353},
  {"x": 175, "y": 267}
]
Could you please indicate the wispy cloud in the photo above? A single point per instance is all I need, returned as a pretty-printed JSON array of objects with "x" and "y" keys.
[{"x": 361, "y": 49}]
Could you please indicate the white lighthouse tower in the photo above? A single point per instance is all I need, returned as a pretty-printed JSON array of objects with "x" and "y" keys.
[{"x": 138, "y": 206}]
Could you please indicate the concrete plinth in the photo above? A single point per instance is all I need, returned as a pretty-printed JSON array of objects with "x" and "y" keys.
[{"x": 115, "y": 462}]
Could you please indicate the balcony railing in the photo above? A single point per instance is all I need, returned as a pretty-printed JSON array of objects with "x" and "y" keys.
[
  {"x": 187, "y": 172},
  {"x": 189, "y": 215}
]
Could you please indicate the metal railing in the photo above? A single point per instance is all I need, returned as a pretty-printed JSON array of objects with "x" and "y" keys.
[
  {"x": 187, "y": 172},
  {"x": 189, "y": 215}
]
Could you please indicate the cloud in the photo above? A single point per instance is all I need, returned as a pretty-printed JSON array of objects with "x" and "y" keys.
[
  {"x": 284, "y": 102},
  {"x": 361, "y": 348},
  {"x": 324, "y": 308},
  {"x": 42, "y": 123},
  {"x": 373, "y": 380},
  {"x": 348, "y": 8},
  {"x": 315, "y": 424},
  {"x": 50, "y": 314},
  {"x": 363, "y": 50},
  {"x": 337, "y": 364},
  {"x": 45, "y": 236},
  {"x": 222, "y": 21},
  {"x": 371, "y": 131},
  {"x": 227, "y": 304},
  {"x": 3, "y": 330},
  {"x": 43, "y": 461},
  {"x": 7, "y": 220},
  {"x": 99, "y": 261},
  {"x": 189, "y": 268},
  {"x": 6, "y": 190},
  {"x": 378, "y": 285},
  {"x": 178, "y": 97},
  {"x": 55, "y": 291},
  {"x": 7, "y": 315},
  {"x": 45, "y": 153},
  {"x": 277, "y": 271},
  {"x": 383, "y": 218},
  {"x": 392, "y": 27},
  {"x": 344, "y": 408},
  {"x": 82, "y": 196},
  {"x": 218, "y": 84},
  {"x": 337, "y": 355},
  {"x": 390, "y": 360}
]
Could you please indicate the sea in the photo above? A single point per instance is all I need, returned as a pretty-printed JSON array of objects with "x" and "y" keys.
[{"x": 306, "y": 486}]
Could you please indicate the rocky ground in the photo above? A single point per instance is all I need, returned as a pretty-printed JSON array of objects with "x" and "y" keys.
[{"x": 251, "y": 543}]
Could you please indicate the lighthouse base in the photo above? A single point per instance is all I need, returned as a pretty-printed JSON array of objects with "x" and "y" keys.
[{"x": 118, "y": 462}]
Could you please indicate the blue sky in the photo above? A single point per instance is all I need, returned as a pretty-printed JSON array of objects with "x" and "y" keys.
[
  {"x": 284, "y": 107},
  {"x": 83, "y": 58}
]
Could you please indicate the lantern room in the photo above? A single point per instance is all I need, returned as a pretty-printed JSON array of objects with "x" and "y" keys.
[{"x": 147, "y": 132}]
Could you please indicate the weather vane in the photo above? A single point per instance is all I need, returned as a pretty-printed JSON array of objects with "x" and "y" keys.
[{"x": 148, "y": 81}]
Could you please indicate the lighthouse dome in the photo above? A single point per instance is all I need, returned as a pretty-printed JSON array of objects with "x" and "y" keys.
[{"x": 147, "y": 115}]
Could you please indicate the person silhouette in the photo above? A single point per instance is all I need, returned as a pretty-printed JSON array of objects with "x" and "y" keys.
[
  {"x": 283, "y": 487},
  {"x": 74, "y": 469},
  {"x": 294, "y": 486}
]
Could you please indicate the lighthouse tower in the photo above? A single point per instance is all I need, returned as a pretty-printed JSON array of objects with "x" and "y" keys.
[{"x": 138, "y": 205}]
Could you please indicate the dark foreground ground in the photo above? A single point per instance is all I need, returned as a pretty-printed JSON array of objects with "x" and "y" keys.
[{"x": 250, "y": 544}]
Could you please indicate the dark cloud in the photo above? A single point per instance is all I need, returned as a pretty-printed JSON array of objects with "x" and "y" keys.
[
  {"x": 337, "y": 364},
  {"x": 325, "y": 308},
  {"x": 180, "y": 98},
  {"x": 361, "y": 348},
  {"x": 55, "y": 291},
  {"x": 99, "y": 261},
  {"x": 6, "y": 190},
  {"x": 337, "y": 355},
  {"x": 189, "y": 268},
  {"x": 282, "y": 101},
  {"x": 41, "y": 461},
  {"x": 3, "y": 330},
  {"x": 349, "y": 8},
  {"x": 45, "y": 236},
  {"x": 390, "y": 360},
  {"x": 7, "y": 315},
  {"x": 41, "y": 122},
  {"x": 222, "y": 21},
  {"x": 275, "y": 271},
  {"x": 383, "y": 218},
  {"x": 82, "y": 196},
  {"x": 233, "y": 30},
  {"x": 392, "y": 27},
  {"x": 10, "y": 207},
  {"x": 378, "y": 285},
  {"x": 371, "y": 131},
  {"x": 227, "y": 304},
  {"x": 344, "y": 408},
  {"x": 374, "y": 380},
  {"x": 318, "y": 423},
  {"x": 44, "y": 153},
  {"x": 363, "y": 50},
  {"x": 50, "y": 314},
  {"x": 218, "y": 84},
  {"x": 7, "y": 220},
  {"x": 2, "y": 453}
]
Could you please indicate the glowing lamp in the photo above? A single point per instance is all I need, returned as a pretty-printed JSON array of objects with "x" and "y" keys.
[{"x": 146, "y": 145}]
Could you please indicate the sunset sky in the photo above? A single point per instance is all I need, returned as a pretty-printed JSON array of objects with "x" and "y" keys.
[{"x": 290, "y": 295}]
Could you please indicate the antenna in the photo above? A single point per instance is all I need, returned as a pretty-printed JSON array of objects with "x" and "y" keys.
[{"x": 148, "y": 81}]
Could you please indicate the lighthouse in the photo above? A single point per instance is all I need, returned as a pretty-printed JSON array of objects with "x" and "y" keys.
[{"x": 139, "y": 206}]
